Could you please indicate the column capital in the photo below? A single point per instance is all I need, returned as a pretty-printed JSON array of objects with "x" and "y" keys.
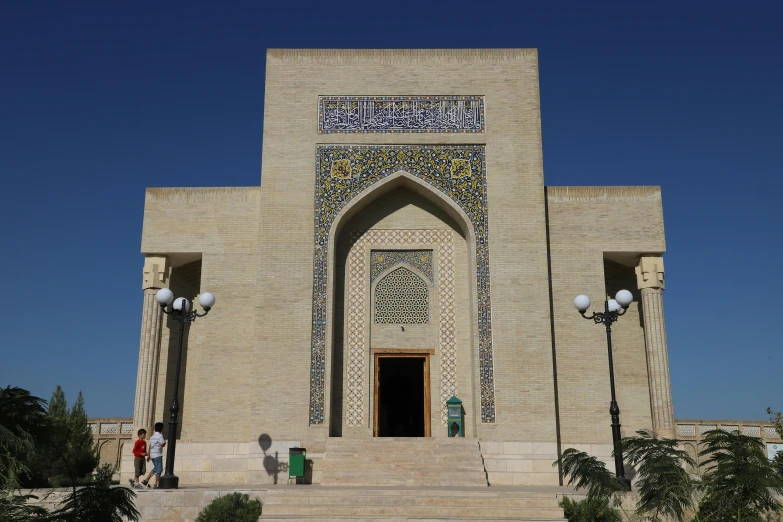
[
  {"x": 649, "y": 273},
  {"x": 156, "y": 273}
]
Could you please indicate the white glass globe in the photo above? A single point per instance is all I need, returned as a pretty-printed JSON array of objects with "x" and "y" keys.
[
  {"x": 613, "y": 306},
  {"x": 182, "y": 304},
  {"x": 624, "y": 297},
  {"x": 164, "y": 296},
  {"x": 206, "y": 300},
  {"x": 582, "y": 303}
]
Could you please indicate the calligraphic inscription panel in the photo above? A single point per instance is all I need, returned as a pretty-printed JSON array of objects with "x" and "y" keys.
[
  {"x": 398, "y": 114},
  {"x": 456, "y": 171}
]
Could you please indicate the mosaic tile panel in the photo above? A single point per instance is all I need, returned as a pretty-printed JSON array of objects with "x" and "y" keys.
[
  {"x": 770, "y": 432},
  {"x": 448, "y": 336},
  {"x": 382, "y": 260},
  {"x": 362, "y": 240},
  {"x": 396, "y": 114},
  {"x": 365, "y": 166},
  {"x": 401, "y": 297}
]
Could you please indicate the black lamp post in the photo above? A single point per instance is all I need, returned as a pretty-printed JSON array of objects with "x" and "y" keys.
[
  {"x": 613, "y": 309},
  {"x": 181, "y": 312}
]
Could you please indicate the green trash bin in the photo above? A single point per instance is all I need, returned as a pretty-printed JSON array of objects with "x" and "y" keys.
[{"x": 296, "y": 465}]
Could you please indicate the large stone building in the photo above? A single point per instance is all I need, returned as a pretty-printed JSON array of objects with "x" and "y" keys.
[{"x": 401, "y": 249}]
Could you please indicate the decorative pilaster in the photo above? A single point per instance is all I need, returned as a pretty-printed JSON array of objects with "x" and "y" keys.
[
  {"x": 650, "y": 280},
  {"x": 156, "y": 276}
]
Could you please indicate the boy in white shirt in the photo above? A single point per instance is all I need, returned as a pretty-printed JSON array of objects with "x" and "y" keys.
[{"x": 157, "y": 443}]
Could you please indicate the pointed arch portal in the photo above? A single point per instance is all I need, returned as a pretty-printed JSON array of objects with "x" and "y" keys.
[{"x": 456, "y": 174}]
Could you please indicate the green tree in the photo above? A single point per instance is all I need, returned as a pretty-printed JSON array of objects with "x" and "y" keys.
[
  {"x": 777, "y": 418},
  {"x": 68, "y": 455},
  {"x": 739, "y": 479}
]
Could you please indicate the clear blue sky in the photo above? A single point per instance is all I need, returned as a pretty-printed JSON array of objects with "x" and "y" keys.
[{"x": 99, "y": 101}]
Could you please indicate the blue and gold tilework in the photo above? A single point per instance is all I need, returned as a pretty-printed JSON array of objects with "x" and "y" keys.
[{"x": 382, "y": 260}]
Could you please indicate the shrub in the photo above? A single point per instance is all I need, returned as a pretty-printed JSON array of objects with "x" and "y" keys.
[
  {"x": 236, "y": 507},
  {"x": 589, "y": 510}
]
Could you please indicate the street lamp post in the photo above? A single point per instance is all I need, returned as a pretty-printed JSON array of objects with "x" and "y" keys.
[
  {"x": 181, "y": 312},
  {"x": 613, "y": 309}
]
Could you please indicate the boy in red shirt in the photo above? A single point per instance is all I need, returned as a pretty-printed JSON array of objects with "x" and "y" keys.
[{"x": 139, "y": 461}]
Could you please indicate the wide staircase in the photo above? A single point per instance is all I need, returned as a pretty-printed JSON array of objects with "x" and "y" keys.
[
  {"x": 403, "y": 462},
  {"x": 388, "y": 479},
  {"x": 411, "y": 504}
]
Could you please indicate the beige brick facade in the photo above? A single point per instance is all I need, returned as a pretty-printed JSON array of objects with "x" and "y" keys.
[{"x": 247, "y": 366}]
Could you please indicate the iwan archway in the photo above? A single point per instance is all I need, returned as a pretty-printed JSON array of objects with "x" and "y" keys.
[{"x": 350, "y": 179}]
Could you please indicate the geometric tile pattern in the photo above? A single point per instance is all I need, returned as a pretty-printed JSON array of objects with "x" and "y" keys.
[
  {"x": 395, "y": 114},
  {"x": 109, "y": 427},
  {"x": 751, "y": 431},
  {"x": 704, "y": 428},
  {"x": 770, "y": 432},
  {"x": 686, "y": 429},
  {"x": 382, "y": 260},
  {"x": 401, "y": 297},
  {"x": 356, "y": 345},
  {"x": 456, "y": 171}
]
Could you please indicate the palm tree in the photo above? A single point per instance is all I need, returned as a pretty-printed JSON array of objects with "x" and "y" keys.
[
  {"x": 98, "y": 501},
  {"x": 22, "y": 424},
  {"x": 587, "y": 472},
  {"x": 739, "y": 480},
  {"x": 666, "y": 490}
]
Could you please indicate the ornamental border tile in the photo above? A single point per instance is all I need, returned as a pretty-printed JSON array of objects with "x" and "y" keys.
[
  {"x": 432, "y": 164},
  {"x": 400, "y": 114},
  {"x": 361, "y": 249}
]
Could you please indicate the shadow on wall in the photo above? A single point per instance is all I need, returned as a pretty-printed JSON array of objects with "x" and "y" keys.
[{"x": 274, "y": 467}]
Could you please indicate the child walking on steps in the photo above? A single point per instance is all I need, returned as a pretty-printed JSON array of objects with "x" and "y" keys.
[
  {"x": 157, "y": 443},
  {"x": 139, "y": 454}
]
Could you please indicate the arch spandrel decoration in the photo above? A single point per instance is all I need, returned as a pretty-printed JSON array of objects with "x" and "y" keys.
[
  {"x": 382, "y": 260},
  {"x": 343, "y": 172}
]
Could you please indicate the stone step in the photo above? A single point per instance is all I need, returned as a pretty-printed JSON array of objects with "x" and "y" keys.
[
  {"x": 403, "y": 462},
  {"x": 411, "y": 500},
  {"x": 459, "y": 450},
  {"x": 412, "y": 511},
  {"x": 466, "y": 492},
  {"x": 322, "y": 518},
  {"x": 369, "y": 463},
  {"x": 402, "y": 481}
]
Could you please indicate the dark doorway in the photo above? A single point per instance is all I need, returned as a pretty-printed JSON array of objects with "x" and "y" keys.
[{"x": 402, "y": 408}]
